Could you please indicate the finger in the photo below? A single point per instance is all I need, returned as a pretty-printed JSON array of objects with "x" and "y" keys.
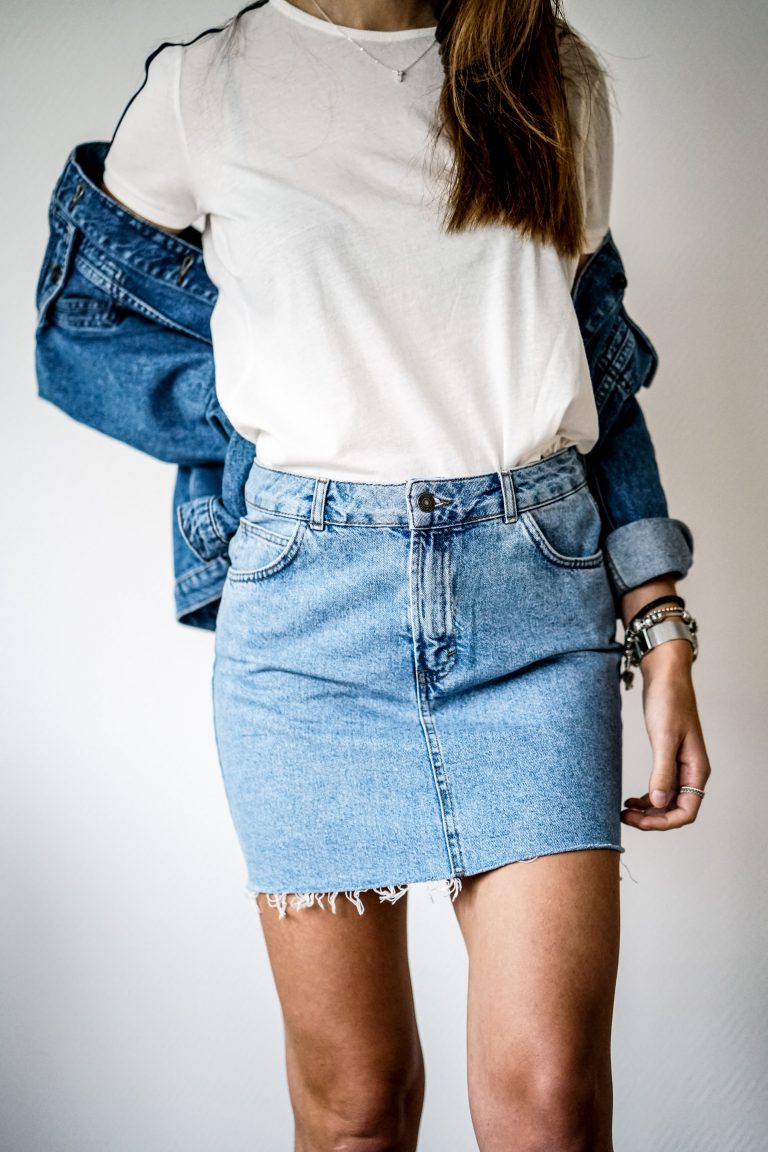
[
  {"x": 683, "y": 812},
  {"x": 693, "y": 762},
  {"x": 643, "y": 804},
  {"x": 639, "y": 802},
  {"x": 663, "y": 780},
  {"x": 689, "y": 804}
]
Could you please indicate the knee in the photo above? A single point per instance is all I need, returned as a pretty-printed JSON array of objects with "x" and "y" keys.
[
  {"x": 360, "y": 1111},
  {"x": 557, "y": 1107}
]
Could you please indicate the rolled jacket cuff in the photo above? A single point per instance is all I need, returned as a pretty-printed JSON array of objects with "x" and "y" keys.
[{"x": 646, "y": 549}]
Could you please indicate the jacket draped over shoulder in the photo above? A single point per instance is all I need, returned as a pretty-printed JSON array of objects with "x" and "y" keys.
[{"x": 123, "y": 345}]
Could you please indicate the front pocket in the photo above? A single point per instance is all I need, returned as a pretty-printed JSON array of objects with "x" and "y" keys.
[
  {"x": 567, "y": 530},
  {"x": 264, "y": 544}
]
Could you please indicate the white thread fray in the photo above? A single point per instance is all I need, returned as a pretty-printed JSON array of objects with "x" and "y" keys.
[{"x": 391, "y": 893}]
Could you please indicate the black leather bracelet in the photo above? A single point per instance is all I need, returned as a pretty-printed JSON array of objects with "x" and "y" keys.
[{"x": 655, "y": 604}]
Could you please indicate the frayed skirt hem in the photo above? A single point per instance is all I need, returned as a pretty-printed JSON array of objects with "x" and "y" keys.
[{"x": 389, "y": 893}]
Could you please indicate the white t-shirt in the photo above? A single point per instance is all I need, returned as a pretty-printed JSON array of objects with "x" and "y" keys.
[{"x": 352, "y": 337}]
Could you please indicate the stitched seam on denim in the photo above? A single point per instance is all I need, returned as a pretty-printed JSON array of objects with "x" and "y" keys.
[
  {"x": 250, "y": 529},
  {"x": 206, "y": 565},
  {"x": 212, "y": 519},
  {"x": 418, "y": 527},
  {"x": 452, "y": 525},
  {"x": 55, "y": 233},
  {"x": 84, "y": 305},
  {"x": 244, "y": 576},
  {"x": 113, "y": 284},
  {"x": 133, "y": 260},
  {"x": 190, "y": 545},
  {"x": 82, "y": 323},
  {"x": 61, "y": 250},
  {"x": 275, "y": 511},
  {"x": 550, "y": 553},
  {"x": 553, "y": 499},
  {"x": 440, "y": 772},
  {"x": 319, "y": 498}
]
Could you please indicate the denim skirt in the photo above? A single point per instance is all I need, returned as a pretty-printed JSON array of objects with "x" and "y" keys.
[{"x": 416, "y": 682}]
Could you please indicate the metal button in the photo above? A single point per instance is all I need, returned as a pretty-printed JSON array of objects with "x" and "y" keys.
[{"x": 426, "y": 502}]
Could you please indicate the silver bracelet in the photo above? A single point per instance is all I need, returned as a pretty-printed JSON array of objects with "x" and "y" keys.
[{"x": 656, "y": 627}]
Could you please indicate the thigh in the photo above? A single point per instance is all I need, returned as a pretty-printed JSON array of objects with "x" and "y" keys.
[
  {"x": 344, "y": 985},
  {"x": 543, "y": 942}
]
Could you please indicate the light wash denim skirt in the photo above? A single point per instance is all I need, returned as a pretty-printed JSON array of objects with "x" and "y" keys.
[{"x": 416, "y": 682}]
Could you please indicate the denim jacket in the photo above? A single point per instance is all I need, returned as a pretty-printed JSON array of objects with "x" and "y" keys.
[{"x": 123, "y": 344}]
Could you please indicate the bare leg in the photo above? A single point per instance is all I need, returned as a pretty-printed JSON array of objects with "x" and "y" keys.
[
  {"x": 353, "y": 1055},
  {"x": 543, "y": 942}
]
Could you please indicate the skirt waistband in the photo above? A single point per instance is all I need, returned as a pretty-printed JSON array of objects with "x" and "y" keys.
[{"x": 419, "y": 502}]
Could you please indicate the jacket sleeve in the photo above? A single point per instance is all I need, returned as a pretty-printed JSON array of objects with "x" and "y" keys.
[{"x": 641, "y": 541}]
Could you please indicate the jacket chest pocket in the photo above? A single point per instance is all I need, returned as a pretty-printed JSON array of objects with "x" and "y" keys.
[{"x": 264, "y": 544}]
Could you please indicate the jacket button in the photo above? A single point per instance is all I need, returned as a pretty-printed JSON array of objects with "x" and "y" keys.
[
  {"x": 55, "y": 273},
  {"x": 619, "y": 280},
  {"x": 427, "y": 502}
]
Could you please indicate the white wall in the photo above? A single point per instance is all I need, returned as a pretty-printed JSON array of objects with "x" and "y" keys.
[{"x": 138, "y": 1009}]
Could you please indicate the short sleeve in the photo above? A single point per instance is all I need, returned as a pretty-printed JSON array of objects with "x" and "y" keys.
[
  {"x": 147, "y": 165},
  {"x": 592, "y": 133}
]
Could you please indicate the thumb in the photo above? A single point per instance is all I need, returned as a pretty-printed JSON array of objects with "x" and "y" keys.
[{"x": 664, "y": 772}]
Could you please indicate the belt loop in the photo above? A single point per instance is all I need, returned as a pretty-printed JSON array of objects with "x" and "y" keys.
[
  {"x": 508, "y": 496},
  {"x": 317, "y": 519}
]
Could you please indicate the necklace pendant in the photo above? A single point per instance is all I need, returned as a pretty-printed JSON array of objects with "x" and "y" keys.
[{"x": 399, "y": 76}]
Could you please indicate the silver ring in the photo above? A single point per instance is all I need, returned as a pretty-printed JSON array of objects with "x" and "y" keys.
[{"x": 690, "y": 788}]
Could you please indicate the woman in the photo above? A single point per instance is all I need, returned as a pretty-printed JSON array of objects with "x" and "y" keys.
[{"x": 416, "y": 674}]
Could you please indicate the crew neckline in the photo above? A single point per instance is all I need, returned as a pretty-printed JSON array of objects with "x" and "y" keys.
[{"x": 321, "y": 25}]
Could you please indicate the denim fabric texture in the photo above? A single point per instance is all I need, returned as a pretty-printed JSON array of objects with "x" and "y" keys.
[
  {"x": 123, "y": 345},
  {"x": 416, "y": 682}
]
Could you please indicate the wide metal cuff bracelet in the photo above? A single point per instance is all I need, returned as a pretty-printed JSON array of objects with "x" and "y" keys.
[{"x": 672, "y": 629}]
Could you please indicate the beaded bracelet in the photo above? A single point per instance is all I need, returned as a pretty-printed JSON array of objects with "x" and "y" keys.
[
  {"x": 654, "y": 616},
  {"x": 654, "y": 604}
]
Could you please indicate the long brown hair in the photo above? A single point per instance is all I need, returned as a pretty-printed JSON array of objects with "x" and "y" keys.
[{"x": 503, "y": 108}]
